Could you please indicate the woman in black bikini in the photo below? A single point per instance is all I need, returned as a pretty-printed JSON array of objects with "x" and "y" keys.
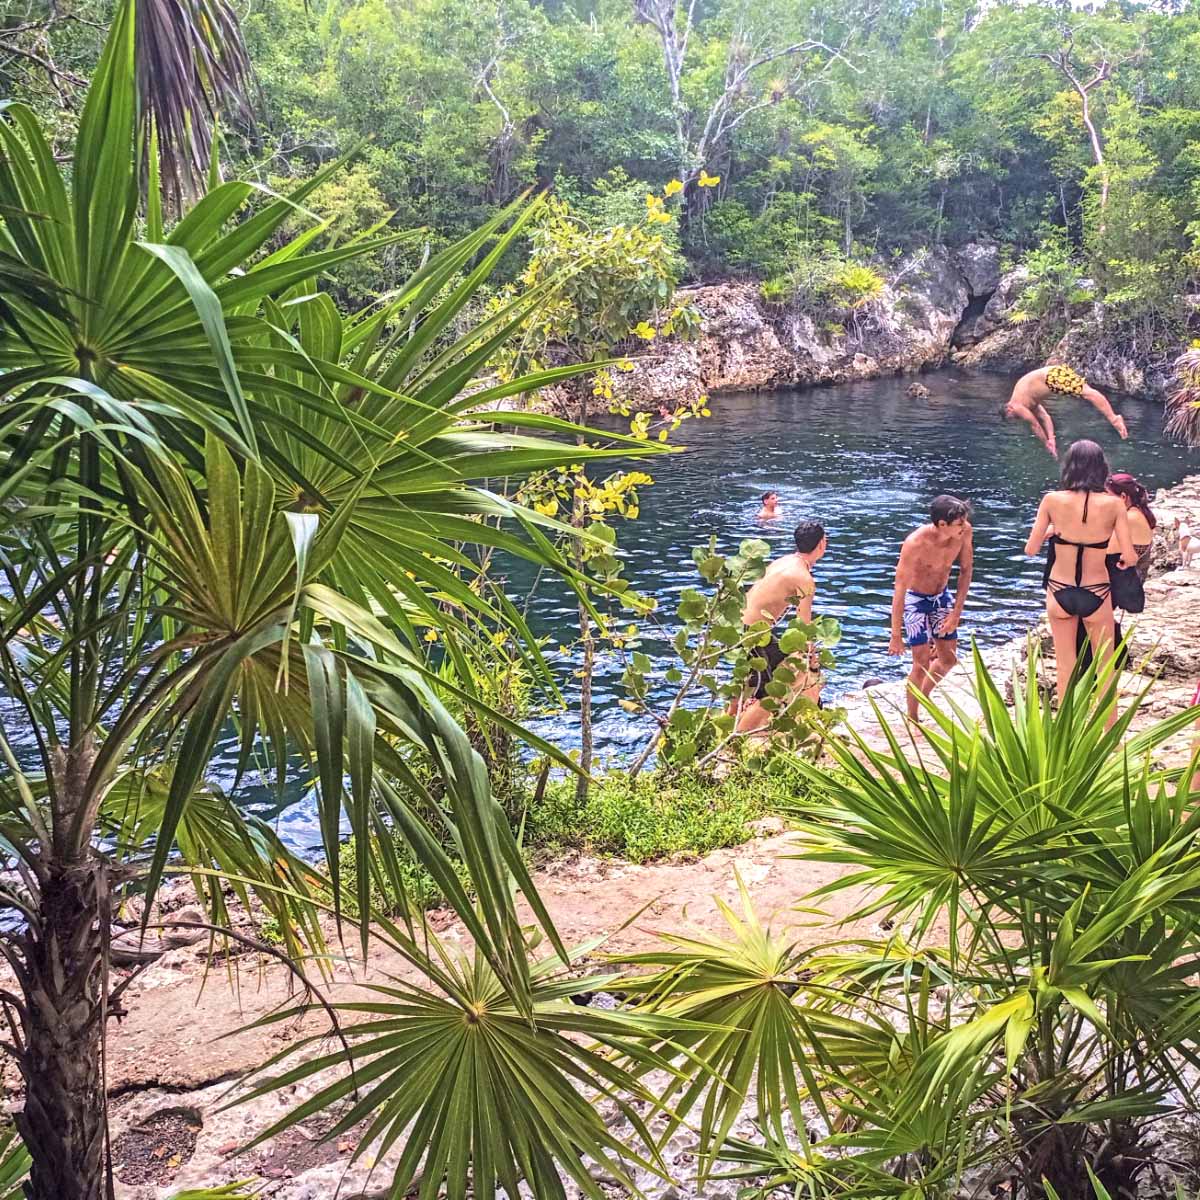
[{"x": 1084, "y": 517}]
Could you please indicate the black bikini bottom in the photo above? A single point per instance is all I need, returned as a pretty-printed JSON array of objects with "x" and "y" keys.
[{"x": 1078, "y": 600}]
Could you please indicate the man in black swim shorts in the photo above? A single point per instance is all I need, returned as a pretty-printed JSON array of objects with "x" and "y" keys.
[{"x": 788, "y": 583}]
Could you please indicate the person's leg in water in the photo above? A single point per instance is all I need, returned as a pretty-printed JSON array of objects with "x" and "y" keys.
[{"x": 1101, "y": 629}]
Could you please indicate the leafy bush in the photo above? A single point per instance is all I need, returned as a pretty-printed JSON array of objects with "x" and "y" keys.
[
  {"x": 419, "y": 889},
  {"x": 819, "y": 282},
  {"x": 716, "y": 656},
  {"x": 1055, "y": 285}
]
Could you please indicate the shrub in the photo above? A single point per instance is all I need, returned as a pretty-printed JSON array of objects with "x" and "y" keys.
[
  {"x": 651, "y": 816},
  {"x": 1055, "y": 285},
  {"x": 420, "y": 890},
  {"x": 818, "y": 282}
]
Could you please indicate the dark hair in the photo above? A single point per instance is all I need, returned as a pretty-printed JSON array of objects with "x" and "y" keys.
[
  {"x": 948, "y": 509},
  {"x": 1123, "y": 484},
  {"x": 768, "y": 495},
  {"x": 808, "y": 536},
  {"x": 1085, "y": 469}
]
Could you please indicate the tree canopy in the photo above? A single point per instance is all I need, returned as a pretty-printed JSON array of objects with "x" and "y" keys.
[{"x": 868, "y": 127}]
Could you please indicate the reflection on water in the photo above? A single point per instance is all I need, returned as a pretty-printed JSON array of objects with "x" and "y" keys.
[{"x": 865, "y": 459}]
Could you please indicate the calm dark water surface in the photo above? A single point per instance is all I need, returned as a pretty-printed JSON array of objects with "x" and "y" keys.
[{"x": 864, "y": 459}]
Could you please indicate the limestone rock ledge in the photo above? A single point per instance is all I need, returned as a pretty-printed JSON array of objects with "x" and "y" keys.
[
  {"x": 747, "y": 343},
  {"x": 938, "y": 305}
]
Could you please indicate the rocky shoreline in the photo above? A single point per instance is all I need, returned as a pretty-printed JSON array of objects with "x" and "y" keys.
[{"x": 936, "y": 307}]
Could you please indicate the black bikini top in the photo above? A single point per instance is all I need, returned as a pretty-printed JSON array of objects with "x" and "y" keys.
[
  {"x": 1062, "y": 541},
  {"x": 1055, "y": 540}
]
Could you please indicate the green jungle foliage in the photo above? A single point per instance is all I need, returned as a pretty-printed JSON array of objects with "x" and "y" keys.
[{"x": 830, "y": 133}]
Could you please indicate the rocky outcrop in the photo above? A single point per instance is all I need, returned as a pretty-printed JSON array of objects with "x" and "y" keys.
[
  {"x": 997, "y": 338},
  {"x": 936, "y": 305},
  {"x": 746, "y": 343}
]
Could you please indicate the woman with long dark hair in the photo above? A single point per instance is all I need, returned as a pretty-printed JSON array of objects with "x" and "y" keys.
[{"x": 1084, "y": 518}]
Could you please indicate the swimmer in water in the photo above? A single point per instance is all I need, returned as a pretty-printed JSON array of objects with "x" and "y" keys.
[
  {"x": 770, "y": 507},
  {"x": 1025, "y": 403}
]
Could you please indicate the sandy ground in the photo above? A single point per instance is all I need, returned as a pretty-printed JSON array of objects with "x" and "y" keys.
[{"x": 174, "y": 1037}]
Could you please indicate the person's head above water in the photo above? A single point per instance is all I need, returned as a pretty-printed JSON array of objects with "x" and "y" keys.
[
  {"x": 810, "y": 539},
  {"x": 949, "y": 510},
  {"x": 1085, "y": 469},
  {"x": 767, "y": 497},
  {"x": 1133, "y": 493}
]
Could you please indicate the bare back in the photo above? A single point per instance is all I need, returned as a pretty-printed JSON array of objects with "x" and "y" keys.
[
  {"x": 1030, "y": 389},
  {"x": 1089, "y": 520},
  {"x": 787, "y": 582},
  {"x": 1139, "y": 530}
]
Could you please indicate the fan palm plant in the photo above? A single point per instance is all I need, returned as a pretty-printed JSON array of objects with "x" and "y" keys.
[
  {"x": 227, "y": 510},
  {"x": 1183, "y": 405},
  {"x": 1041, "y": 1041}
]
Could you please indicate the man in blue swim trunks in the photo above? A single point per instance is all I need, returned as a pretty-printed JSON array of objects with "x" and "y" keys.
[{"x": 924, "y": 617}]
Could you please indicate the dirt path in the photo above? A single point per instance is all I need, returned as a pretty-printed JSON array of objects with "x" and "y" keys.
[{"x": 175, "y": 1035}]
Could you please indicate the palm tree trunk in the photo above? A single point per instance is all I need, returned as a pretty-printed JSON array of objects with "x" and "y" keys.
[
  {"x": 585, "y": 705},
  {"x": 62, "y": 1123}
]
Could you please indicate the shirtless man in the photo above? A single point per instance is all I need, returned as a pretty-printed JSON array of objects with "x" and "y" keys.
[
  {"x": 1025, "y": 403},
  {"x": 788, "y": 582},
  {"x": 923, "y": 615},
  {"x": 770, "y": 507}
]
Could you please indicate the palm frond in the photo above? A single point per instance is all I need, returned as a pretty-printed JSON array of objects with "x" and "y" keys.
[
  {"x": 192, "y": 65},
  {"x": 482, "y": 1095},
  {"x": 1183, "y": 405}
]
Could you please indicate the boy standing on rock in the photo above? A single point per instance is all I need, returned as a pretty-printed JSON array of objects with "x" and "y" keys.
[{"x": 923, "y": 615}]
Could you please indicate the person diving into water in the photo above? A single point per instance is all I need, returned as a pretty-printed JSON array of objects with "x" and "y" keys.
[
  {"x": 923, "y": 615},
  {"x": 788, "y": 583},
  {"x": 1025, "y": 403}
]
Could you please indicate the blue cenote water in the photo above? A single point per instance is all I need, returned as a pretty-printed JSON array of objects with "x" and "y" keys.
[{"x": 865, "y": 459}]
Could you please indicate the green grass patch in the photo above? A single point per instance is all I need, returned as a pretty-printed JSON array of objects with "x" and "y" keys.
[{"x": 652, "y": 816}]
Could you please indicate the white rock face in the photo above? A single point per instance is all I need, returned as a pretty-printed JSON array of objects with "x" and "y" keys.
[{"x": 746, "y": 344}]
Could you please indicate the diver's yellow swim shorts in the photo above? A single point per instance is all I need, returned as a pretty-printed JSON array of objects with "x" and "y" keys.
[{"x": 1065, "y": 381}]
